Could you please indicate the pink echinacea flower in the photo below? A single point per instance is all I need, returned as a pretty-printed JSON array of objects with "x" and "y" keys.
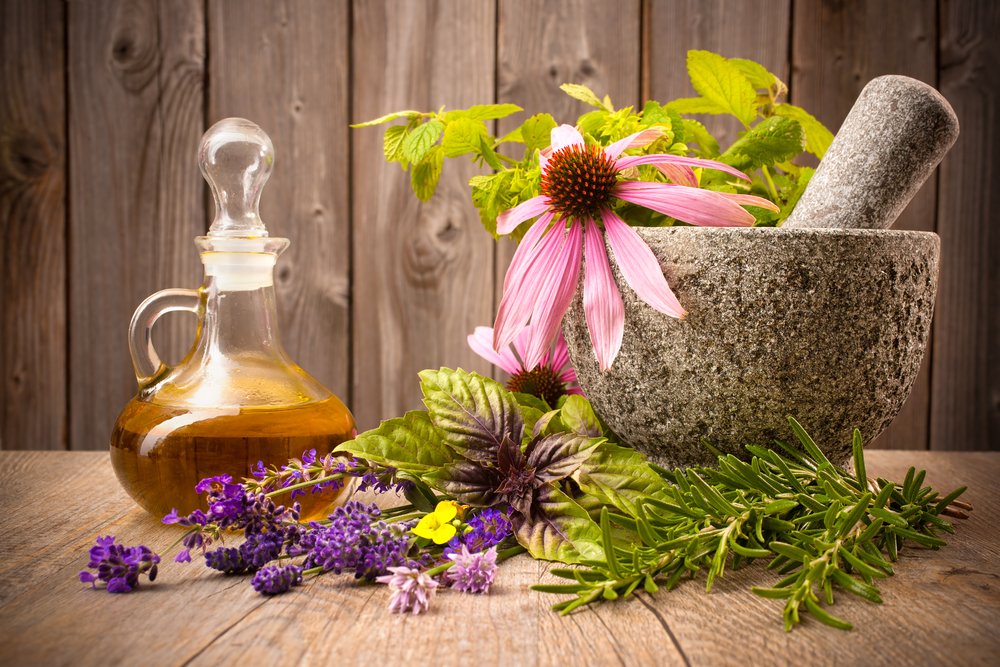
[
  {"x": 550, "y": 379},
  {"x": 578, "y": 184}
]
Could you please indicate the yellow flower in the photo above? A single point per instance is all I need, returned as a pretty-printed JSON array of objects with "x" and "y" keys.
[{"x": 437, "y": 525}]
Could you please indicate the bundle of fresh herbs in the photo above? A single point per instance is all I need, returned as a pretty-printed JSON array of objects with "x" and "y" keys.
[{"x": 484, "y": 468}]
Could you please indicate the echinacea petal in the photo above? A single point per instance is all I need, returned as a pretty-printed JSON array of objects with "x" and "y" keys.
[
  {"x": 750, "y": 200},
  {"x": 563, "y": 136},
  {"x": 481, "y": 342},
  {"x": 526, "y": 248},
  {"x": 554, "y": 296},
  {"x": 602, "y": 302},
  {"x": 636, "y": 160},
  {"x": 560, "y": 354},
  {"x": 639, "y": 266},
  {"x": 521, "y": 342},
  {"x": 636, "y": 140},
  {"x": 512, "y": 217},
  {"x": 679, "y": 174},
  {"x": 693, "y": 205},
  {"x": 521, "y": 289}
]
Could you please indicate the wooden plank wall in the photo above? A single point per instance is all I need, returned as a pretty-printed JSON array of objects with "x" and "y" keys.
[{"x": 103, "y": 103}]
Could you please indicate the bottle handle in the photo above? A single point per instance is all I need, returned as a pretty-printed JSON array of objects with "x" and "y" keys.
[{"x": 140, "y": 344}]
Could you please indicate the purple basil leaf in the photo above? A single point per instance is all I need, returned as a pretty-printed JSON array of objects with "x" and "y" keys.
[
  {"x": 510, "y": 458},
  {"x": 469, "y": 483},
  {"x": 558, "y": 455},
  {"x": 557, "y": 528},
  {"x": 473, "y": 413}
]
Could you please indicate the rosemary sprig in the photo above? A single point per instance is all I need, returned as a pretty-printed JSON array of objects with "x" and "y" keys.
[{"x": 819, "y": 525}]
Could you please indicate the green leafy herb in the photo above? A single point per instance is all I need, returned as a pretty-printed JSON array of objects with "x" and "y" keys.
[
  {"x": 777, "y": 132},
  {"x": 820, "y": 526}
]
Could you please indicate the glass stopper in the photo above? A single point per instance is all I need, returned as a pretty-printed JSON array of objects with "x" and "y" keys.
[{"x": 236, "y": 157}]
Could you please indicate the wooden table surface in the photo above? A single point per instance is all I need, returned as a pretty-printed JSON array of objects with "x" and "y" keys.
[{"x": 942, "y": 607}]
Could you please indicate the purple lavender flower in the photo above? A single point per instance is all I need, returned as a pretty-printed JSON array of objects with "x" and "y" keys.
[
  {"x": 268, "y": 528},
  {"x": 275, "y": 579},
  {"x": 356, "y": 540},
  {"x": 384, "y": 482},
  {"x": 490, "y": 527},
  {"x": 119, "y": 566},
  {"x": 473, "y": 573},
  {"x": 412, "y": 590}
]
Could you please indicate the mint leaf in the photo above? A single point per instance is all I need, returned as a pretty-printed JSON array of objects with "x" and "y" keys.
[
  {"x": 818, "y": 138},
  {"x": 591, "y": 123},
  {"x": 794, "y": 193},
  {"x": 653, "y": 113},
  {"x": 770, "y": 141},
  {"x": 723, "y": 83},
  {"x": 558, "y": 529},
  {"x": 584, "y": 94},
  {"x": 701, "y": 136},
  {"x": 536, "y": 132},
  {"x": 418, "y": 144},
  {"x": 482, "y": 112},
  {"x": 474, "y": 413},
  {"x": 424, "y": 176},
  {"x": 696, "y": 105},
  {"x": 385, "y": 119},
  {"x": 756, "y": 74},
  {"x": 513, "y": 135},
  {"x": 486, "y": 197},
  {"x": 580, "y": 418},
  {"x": 463, "y": 136},
  {"x": 392, "y": 143},
  {"x": 409, "y": 443}
]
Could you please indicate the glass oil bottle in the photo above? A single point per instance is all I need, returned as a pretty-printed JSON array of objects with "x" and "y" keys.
[{"x": 236, "y": 398}]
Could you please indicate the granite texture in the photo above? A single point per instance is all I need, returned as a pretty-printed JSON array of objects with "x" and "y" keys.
[
  {"x": 894, "y": 137},
  {"x": 828, "y": 326}
]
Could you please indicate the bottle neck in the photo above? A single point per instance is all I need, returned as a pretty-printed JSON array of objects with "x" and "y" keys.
[{"x": 241, "y": 316}]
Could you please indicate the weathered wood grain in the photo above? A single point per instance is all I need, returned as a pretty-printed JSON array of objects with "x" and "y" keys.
[
  {"x": 285, "y": 67},
  {"x": 422, "y": 273},
  {"x": 136, "y": 70},
  {"x": 33, "y": 225},
  {"x": 756, "y": 30},
  {"x": 965, "y": 379},
  {"x": 542, "y": 45},
  {"x": 941, "y": 608},
  {"x": 837, "y": 48}
]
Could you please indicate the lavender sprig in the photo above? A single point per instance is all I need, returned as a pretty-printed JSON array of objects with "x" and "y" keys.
[{"x": 119, "y": 566}]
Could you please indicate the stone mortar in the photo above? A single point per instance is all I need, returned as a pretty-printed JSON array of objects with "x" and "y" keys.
[{"x": 826, "y": 325}]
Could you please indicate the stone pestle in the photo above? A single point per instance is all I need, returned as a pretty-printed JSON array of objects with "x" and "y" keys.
[{"x": 895, "y": 135}]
